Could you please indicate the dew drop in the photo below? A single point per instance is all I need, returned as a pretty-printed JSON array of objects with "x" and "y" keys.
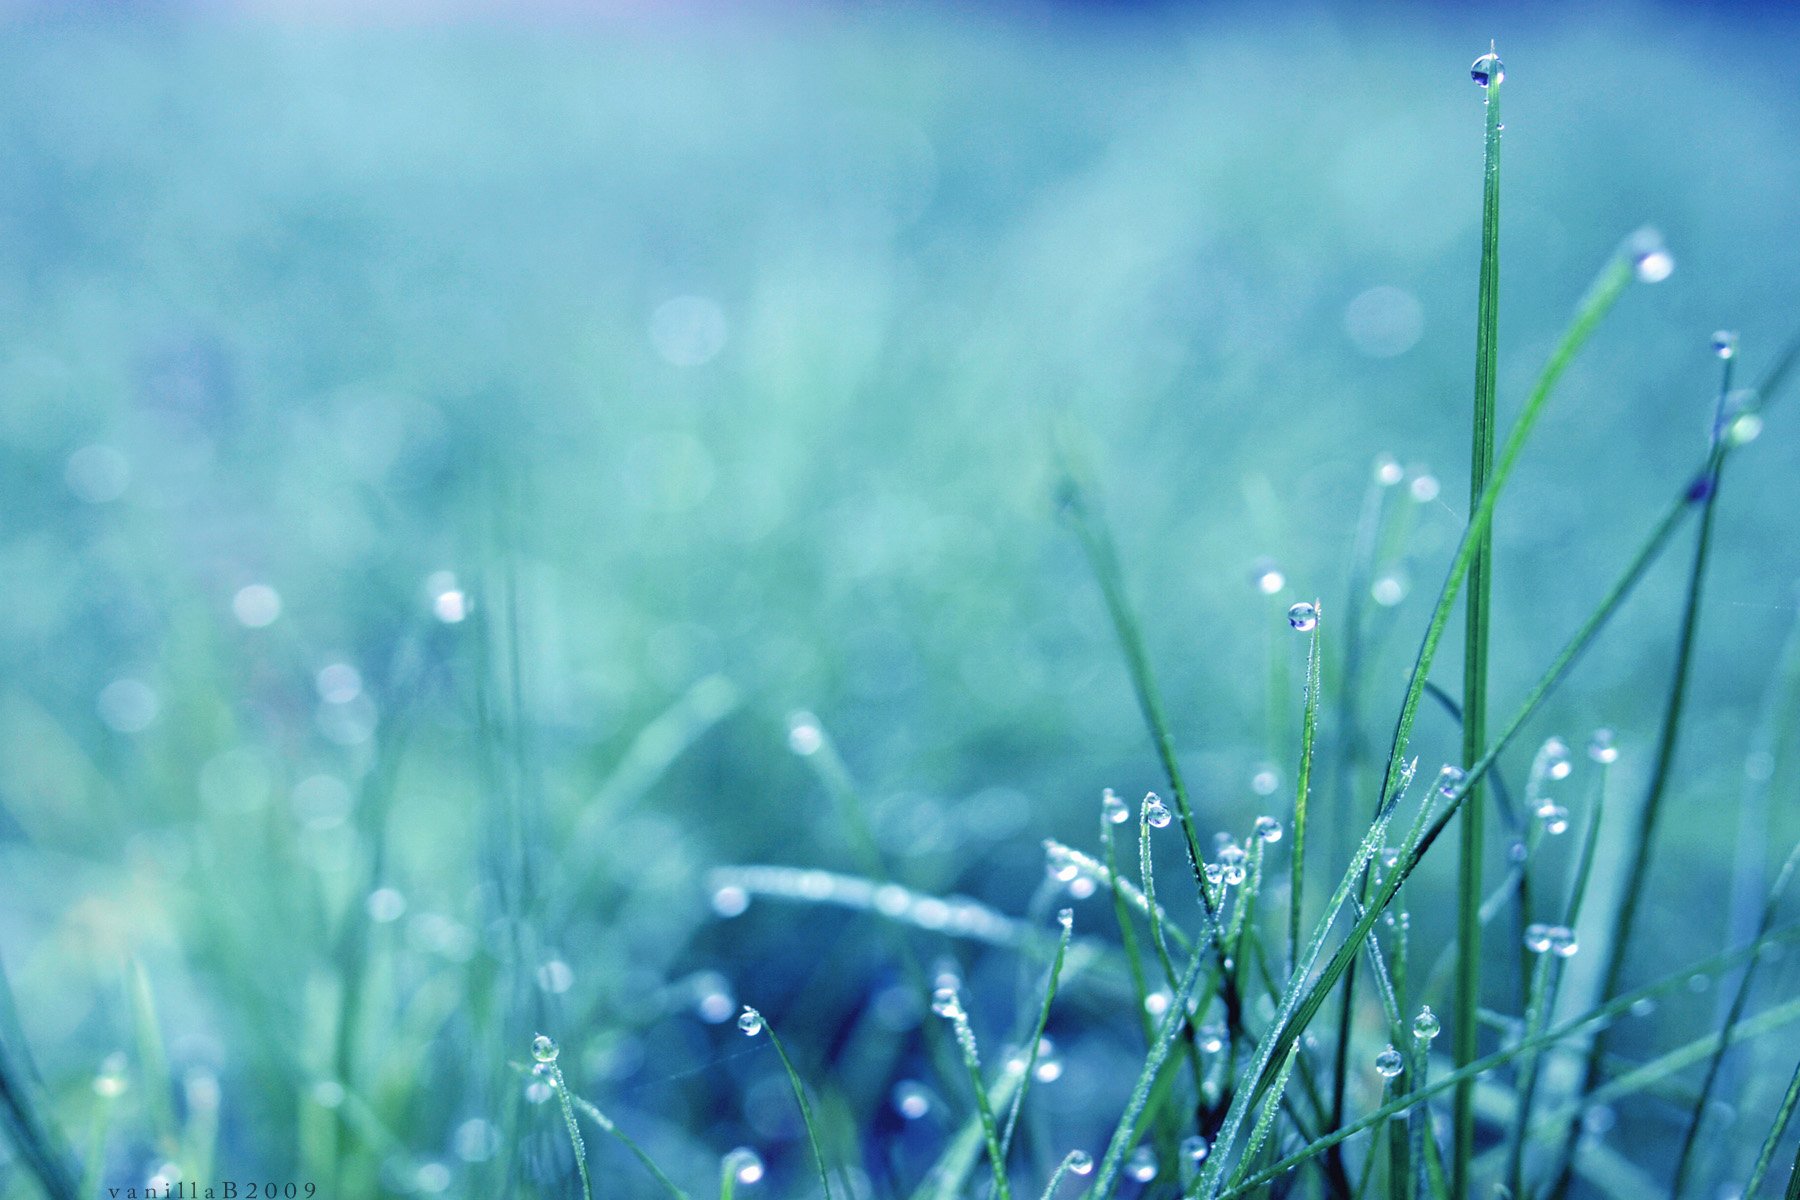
[
  {"x": 1388, "y": 470},
  {"x": 1601, "y": 748},
  {"x": 1555, "y": 818},
  {"x": 1156, "y": 813},
  {"x": 1449, "y": 779},
  {"x": 1141, "y": 1166},
  {"x": 1049, "y": 1066},
  {"x": 1066, "y": 918},
  {"x": 1266, "y": 576},
  {"x": 1555, "y": 758},
  {"x": 1194, "y": 1149},
  {"x": 1744, "y": 428},
  {"x": 1424, "y": 487},
  {"x": 1388, "y": 590},
  {"x": 1304, "y": 617},
  {"x": 750, "y": 1021},
  {"x": 1080, "y": 1162},
  {"x": 805, "y": 737},
  {"x": 1215, "y": 874},
  {"x": 745, "y": 1165},
  {"x": 1650, "y": 261},
  {"x": 730, "y": 901},
  {"x": 1562, "y": 941},
  {"x": 945, "y": 1003},
  {"x": 1488, "y": 69},
  {"x": 1265, "y": 781},
  {"x": 1724, "y": 343},
  {"x": 1537, "y": 938},
  {"x": 1426, "y": 1025},
  {"x": 1389, "y": 1063},
  {"x": 1232, "y": 874},
  {"x": 911, "y": 1099},
  {"x": 1211, "y": 1038},
  {"x": 1113, "y": 808},
  {"x": 544, "y": 1049},
  {"x": 112, "y": 1080},
  {"x": 1268, "y": 829}
]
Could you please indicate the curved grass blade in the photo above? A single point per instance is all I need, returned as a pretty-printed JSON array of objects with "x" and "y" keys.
[
  {"x": 806, "y": 1113},
  {"x": 606, "y": 1124}
]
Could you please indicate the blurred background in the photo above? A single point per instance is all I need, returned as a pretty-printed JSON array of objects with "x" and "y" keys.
[{"x": 444, "y": 446}]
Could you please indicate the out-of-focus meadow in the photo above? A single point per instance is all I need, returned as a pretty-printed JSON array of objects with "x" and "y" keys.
[{"x": 399, "y": 417}]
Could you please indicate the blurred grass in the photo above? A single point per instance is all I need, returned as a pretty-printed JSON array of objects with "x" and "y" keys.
[{"x": 321, "y": 285}]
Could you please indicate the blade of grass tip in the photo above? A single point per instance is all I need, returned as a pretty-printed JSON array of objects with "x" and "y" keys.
[
  {"x": 1075, "y": 1162},
  {"x": 1291, "y": 1024},
  {"x": 1786, "y": 935},
  {"x": 1490, "y": 74},
  {"x": 607, "y": 1125},
  {"x": 1784, "y": 1112},
  {"x": 1309, "y": 727},
  {"x": 1739, "y": 1001},
  {"x": 753, "y": 1023},
  {"x": 545, "y": 1052},
  {"x": 1159, "y": 928},
  {"x": 1705, "y": 492},
  {"x": 1065, "y": 918}
]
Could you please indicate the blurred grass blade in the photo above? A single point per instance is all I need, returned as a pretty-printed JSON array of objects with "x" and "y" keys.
[
  {"x": 153, "y": 1060},
  {"x": 1784, "y": 1112}
]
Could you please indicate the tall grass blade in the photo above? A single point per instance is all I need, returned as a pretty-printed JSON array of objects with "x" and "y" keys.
[
  {"x": 1464, "y": 1029},
  {"x": 806, "y": 1112},
  {"x": 624, "y": 1139},
  {"x": 1067, "y": 920},
  {"x": 1309, "y": 728},
  {"x": 1783, "y": 1114}
]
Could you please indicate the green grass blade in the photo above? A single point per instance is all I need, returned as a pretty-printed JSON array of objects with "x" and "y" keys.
[
  {"x": 1783, "y": 1114},
  {"x": 624, "y": 1139},
  {"x": 1121, "y": 910},
  {"x": 1464, "y": 1029},
  {"x": 1309, "y": 727},
  {"x": 1786, "y": 935},
  {"x": 806, "y": 1112},
  {"x": 1740, "y": 999},
  {"x": 1066, "y": 919}
]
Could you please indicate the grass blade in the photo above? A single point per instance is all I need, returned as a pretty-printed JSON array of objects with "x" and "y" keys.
[
  {"x": 1066, "y": 918},
  {"x": 752, "y": 1022},
  {"x": 1474, "y": 705},
  {"x": 606, "y": 1124},
  {"x": 1309, "y": 727},
  {"x": 1783, "y": 1113}
]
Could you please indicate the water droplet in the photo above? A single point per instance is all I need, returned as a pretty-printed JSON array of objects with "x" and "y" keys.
[
  {"x": 1080, "y": 1162},
  {"x": 1426, "y": 1025},
  {"x": 1156, "y": 813},
  {"x": 1215, "y": 874},
  {"x": 111, "y": 1081},
  {"x": 1424, "y": 487},
  {"x": 745, "y": 1164},
  {"x": 1724, "y": 343},
  {"x": 1210, "y": 1038},
  {"x": 1449, "y": 779},
  {"x": 1265, "y": 780},
  {"x": 1643, "y": 1006},
  {"x": 1113, "y": 808},
  {"x": 1081, "y": 887},
  {"x": 544, "y": 1049},
  {"x": 1555, "y": 818},
  {"x": 1194, "y": 1149},
  {"x": 256, "y": 605},
  {"x": 1049, "y": 1067},
  {"x": 1387, "y": 471},
  {"x": 944, "y": 1003},
  {"x": 1157, "y": 1003},
  {"x": 1267, "y": 577},
  {"x": 1304, "y": 617},
  {"x": 1537, "y": 938},
  {"x": 1562, "y": 941},
  {"x": 911, "y": 1099},
  {"x": 1555, "y": 758},
  {"x": 1141, "y": 1166},
  {"x": 1388, "y": 589},
  {"x": 1066, "y": 918},
  {"x": 805, "y": 737},
  {"x": 1650, "y": 261},
  {"x": 1268, "y": 829},
  {"x": 750, "y": 1021},
  {"x": 1488, "y": 69},
  {"x": 1389, "y": 1063},
  {"x": 730, "y": 900},
  {"x": 449, "y": 603},
  {"x": 1601, "y": 748},
  {"x": 1744, "y": 428}
]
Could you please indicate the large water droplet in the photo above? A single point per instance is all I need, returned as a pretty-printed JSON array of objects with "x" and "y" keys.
[
  {"x": 944, "y": 1003},
  {"x": 1141, "y": 1166},
  {"x": 1724, "y": 343},
  {"x": 1268, "y": 829},
  {"x": 1389, "y": 1063},
  {"x": 544, "y": 1049},
  {"x": 1194, "y": 1149},
  {"x": 1304, "y": 617},
  {"x": 1488, "y": 69},
  {"x": 1555, "y": 818},
  {"x": 1555, "y": 758},
  {"x": 1449, "y": 779},
  {"x": 1388, "y": 470},
  {"x": 1426, "y": 1025},
  {"x": 1156, "y": 813},
  {"x": 1537, "y": 938},
  {"x": 1080, "y": 1162},
  {"x": 1562, "y": 941},
  {"x": 750, "y": 1021}
]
